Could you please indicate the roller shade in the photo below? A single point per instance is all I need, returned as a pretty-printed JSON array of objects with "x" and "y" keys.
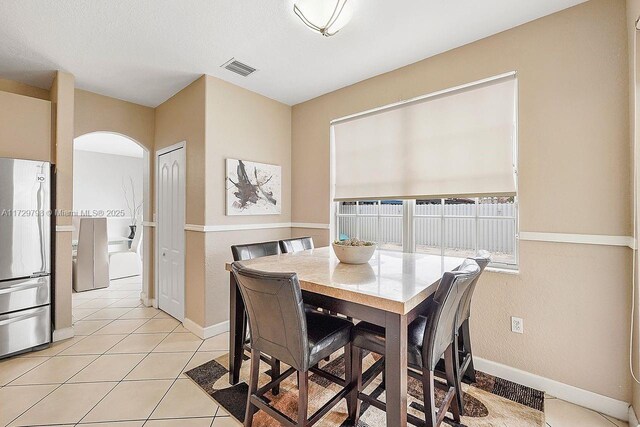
[{"x": 459, "y": 143}]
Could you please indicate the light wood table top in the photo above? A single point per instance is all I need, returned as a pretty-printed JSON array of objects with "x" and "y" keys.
[{"x": 391, "y": 281}]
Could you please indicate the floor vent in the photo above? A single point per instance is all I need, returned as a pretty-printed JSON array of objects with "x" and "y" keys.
[{"x": 238, "y": 67}]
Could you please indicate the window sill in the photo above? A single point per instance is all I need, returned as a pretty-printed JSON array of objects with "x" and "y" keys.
[{"x": 514, "y": 272}]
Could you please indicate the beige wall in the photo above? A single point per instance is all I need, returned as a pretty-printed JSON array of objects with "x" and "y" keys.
[
  {"x": 244, "y": 125},
  {"x": 96, "y": 112},
  {"x": 182, "y": 118},
  {"x": 93, "y": 113},
  {"x": 62, "y": 98},
  {"x": 24, "y": 89},
  {"x": 574, "y": 177},
  {"x": 633, "y": 12},
  {"x": 35, "y": 128},
  {"x": 240, "y": 125},
  {"x": 25, "y": 127},
  {"x": 219, "y": 120}
]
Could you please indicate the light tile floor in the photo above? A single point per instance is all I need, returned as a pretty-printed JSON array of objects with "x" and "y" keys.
[{"x": 126, "y": 364}]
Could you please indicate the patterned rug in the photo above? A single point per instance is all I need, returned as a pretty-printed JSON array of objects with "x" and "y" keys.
[{"x": 490, "y": 402}]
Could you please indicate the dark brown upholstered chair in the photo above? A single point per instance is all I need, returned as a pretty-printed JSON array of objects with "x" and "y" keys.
[
  {"x": 283, "y": 329},
  {"x": 429, "y": 338},
  {"x": 464, "y": 337},
  {"x": 296, "y": 245},
  {"x": 251, "y": 251},
  {"x": 299, "y": 244},
  {"x": 254, "y": 250}
]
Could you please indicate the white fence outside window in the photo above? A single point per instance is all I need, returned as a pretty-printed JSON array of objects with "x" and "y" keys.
[{"x": 488, "y": 224}]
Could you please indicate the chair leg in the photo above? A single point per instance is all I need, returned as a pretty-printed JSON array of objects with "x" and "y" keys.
[
  {"x": 275, "y": 373},
  {"x": 457, "y": 374},
  {"x": 428, "y": 389},
  {"x": 303, "y": 397},
  {"x": 470, "y": 374},
  {"x": 452, "y": 382},
  {"x": 253, "y": 386},
  {"x": 353, "y": 403}
]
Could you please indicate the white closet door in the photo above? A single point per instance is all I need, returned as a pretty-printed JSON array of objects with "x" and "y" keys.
[{"x": 170, "y": 223}]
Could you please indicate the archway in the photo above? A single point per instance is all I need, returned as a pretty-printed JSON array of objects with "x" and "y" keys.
[{"x": 111, "y": 182}]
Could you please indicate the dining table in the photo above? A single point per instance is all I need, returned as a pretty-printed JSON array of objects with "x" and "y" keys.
[{"x": 391, "y": 291}]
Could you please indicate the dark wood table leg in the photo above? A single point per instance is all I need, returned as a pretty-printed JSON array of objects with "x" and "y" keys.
[
  {"x": 236, "y": 330},
  {"x": 396, "y": 369}
]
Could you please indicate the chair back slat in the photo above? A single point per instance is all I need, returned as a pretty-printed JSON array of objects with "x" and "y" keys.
[
  {"x": 482, "y": 260},
  {"x": 296, "y": 245},
  {"x": 275, "y": 309},
  {"x": 254, "y": 250},
  {"x": 441, "y": 324}
]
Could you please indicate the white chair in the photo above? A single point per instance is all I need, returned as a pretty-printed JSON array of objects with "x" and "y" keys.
[
  {"x": 90, "y": 266},
  {"x": 127, "y": 263}
]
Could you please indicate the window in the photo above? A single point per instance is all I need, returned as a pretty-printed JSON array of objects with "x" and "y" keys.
[
  {"x": 374, "y": 220},
  {"x": 452, "y": 227},
  {"x": 444, "y": 166}
]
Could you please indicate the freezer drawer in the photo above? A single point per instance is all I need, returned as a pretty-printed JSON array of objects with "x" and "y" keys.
[
  {"x": 24, "y": 329},
  {"x": 21, "y": 294}
]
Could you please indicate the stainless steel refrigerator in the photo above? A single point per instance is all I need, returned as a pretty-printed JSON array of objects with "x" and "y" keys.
[{"x": 25, "y": 255}]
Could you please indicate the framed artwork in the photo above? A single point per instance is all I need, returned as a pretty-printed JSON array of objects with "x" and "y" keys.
[{"x": 253, "y": 188}]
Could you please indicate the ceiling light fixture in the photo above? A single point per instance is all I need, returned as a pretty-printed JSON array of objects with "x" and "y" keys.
[{"x": 326, "y": 17}]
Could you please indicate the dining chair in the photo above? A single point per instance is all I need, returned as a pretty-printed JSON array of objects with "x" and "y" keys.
[
  {"x": 255, "y": 250},
  {"x": 299, "y": 244},
  {"x": 430, "y": 337},
  {"x": 464, "y": 352},
  {"x": 250, "y": 251},
  {"x": 296, "y": 245},
  {"x": 282, "y": 328}
]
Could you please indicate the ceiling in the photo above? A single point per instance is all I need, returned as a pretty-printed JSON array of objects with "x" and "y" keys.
[
  {"x": 108, "y": 143},
  {"x": 145, "y": 51}
]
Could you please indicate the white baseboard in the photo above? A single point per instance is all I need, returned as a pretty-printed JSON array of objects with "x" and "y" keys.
[
  {"x": 209, "y": 331},
  {"x": 588, "y": 399},
  {"x": 148, "y": 302},
  {"x": 63, "y": 334},
  {"x": 633, "y": 420}
]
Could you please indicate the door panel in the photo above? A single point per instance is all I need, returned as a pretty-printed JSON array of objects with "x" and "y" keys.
[
  {"x": 24, "y": 218},
  {"x": 170, "y": 223}
]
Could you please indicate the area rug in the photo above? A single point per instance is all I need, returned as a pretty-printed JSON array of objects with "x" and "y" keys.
[{"x": 490, "y": 402}]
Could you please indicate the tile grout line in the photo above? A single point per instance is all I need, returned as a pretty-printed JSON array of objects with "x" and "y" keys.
[
  {"x": 215, "y": 415},
  {"x": 67, "y": 381},
  {"x": 174, "y": 381},
  {"x": 95, "y": 333},
  {"x": 60, "y": 385},
  {"x": 108, "y": 306},
  {"x": 122, "y": 380}
]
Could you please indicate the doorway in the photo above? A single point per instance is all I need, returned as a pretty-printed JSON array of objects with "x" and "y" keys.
[
  {"x": 109, "y": 192},
  {"x": 170, "y": 208}
]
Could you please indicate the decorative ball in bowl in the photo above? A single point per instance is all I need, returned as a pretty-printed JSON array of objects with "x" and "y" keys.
[{"x": 354, "y": 251}]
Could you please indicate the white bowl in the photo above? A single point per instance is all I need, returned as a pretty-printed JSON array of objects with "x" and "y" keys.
[{"x": 354, "y": 254}]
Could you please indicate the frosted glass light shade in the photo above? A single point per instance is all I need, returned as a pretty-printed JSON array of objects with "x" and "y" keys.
[{"x": 326, "y": 17}]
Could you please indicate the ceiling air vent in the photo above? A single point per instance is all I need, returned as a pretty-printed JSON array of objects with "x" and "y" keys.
[{"x": 238, "y": 67}]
